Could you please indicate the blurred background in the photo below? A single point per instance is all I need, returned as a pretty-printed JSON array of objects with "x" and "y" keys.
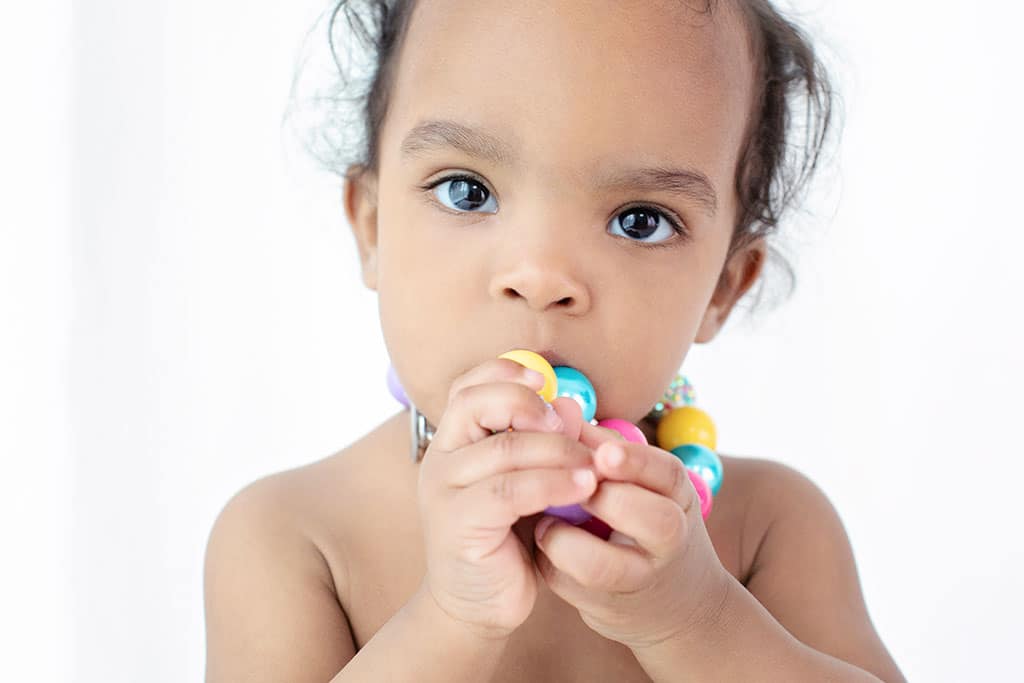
[{"x": 182, "y": 314}]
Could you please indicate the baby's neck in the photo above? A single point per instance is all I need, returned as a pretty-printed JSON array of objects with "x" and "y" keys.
[{"x": 649, "y": 428}]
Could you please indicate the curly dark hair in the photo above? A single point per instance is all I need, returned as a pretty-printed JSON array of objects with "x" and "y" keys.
[{"x": 785, "y": 139}]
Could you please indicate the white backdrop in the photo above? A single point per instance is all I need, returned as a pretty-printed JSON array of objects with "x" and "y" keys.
[{"x": 182, "y": 314}]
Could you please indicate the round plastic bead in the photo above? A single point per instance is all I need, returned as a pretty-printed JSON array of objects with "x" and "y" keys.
[
  {"x": 684, "y": 425},
  {"x": 597, "y": 527},
  {"x": 680, "y": 392},
  {"x": 534, "y": 361},
  {"x": 575, "y": 385},
  {"x": 574, "y": 514},
  {"x": 703, "y": 492},
  {"x": 703, "y": 461},
  {"x": 395, "y": 387},
  {"x": 629, "y": 431}
]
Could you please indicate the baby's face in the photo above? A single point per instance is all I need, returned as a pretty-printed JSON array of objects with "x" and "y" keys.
[{"x": 545, "y": 244}]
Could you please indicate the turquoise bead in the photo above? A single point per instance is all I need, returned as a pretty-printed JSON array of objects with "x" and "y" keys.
[
  {"x": 703, "y": 461},
  {"x": 575, "y": 385}
]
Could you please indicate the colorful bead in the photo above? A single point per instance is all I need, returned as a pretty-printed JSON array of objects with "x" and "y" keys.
[
  {"x": 658, "y": 411},
  {"x": 688, "y": 424},
  {"x": 680, "y": 393},
  {"x": 395, "y": 387},
  {"x": 683, "y": 429},
  {"x": 597, "y": 527},
  {"x": 703, "y": 461},
  {"x": 574, "y": 514},
  {"x": 629, "y": 431},
  {"x": 575, "y": 385},
  {"x": 535, "y": 361},
  {"x": 704, "y": 494}
]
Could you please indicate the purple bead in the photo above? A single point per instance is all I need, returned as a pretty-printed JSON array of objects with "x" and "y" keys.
[
  {"x": 395, "y": 387},
  {"x": 574, "y": 514}
]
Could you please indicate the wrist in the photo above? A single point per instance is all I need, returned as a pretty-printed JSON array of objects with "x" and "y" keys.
[
  {"x": 720, "y": 640},
  {"x": 463, "y": 634}
]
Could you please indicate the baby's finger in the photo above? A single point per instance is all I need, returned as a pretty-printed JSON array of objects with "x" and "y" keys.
[
  {"x": 573, "y": 561},
  {"x": 477, "y": 411},
  {"x": 500, "y": 501},
  {"x": 511, "y": 451},
  {"x": 594, "y": 436},
  {"x": 656, "y": 523},
  {"x": 647, "y": 466},
  {"x": 496, "y": 370},
  {"x": 572, "y": 416}
]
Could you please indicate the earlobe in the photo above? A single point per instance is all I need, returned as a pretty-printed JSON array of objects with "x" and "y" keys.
[
  {"x": 360, "y": 195},
  {"x": 739, "y": 274}
]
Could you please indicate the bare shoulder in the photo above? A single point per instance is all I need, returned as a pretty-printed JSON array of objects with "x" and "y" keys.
[
  {"x": 801, "y": 564},
  {"x": 272, "y": 573},
  {"x": 755, "y": 494},
  {"x": 779, "y": 509},
  {"x": 760, "y": 478},
  {"x": 282, "y": 511},
  {"x": 767, "y": 489}
]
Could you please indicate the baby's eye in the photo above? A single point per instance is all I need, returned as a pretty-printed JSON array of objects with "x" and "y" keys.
[
  {"x": 642, "y": 222},
  {"x": 464, "y": 194}
]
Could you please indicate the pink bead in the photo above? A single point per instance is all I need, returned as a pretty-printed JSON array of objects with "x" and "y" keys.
[
  {"x": 628, "y": 430},
  {"x": 703, "y": 492}
]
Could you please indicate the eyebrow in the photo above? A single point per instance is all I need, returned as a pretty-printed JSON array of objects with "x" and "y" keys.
[
  {"x": 687, "y": 183},
  {"x": 475, "y": 142}
]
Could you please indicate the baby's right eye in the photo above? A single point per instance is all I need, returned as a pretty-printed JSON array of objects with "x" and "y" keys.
[{"x": 465, "y": 194}]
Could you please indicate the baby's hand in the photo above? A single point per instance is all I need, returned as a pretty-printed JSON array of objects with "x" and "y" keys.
[
  {"x": 665, "y": 578},
  {"x": 477, "y": 479}
]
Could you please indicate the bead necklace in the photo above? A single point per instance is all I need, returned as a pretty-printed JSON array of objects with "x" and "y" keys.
[{"x": 683, "y": 429}]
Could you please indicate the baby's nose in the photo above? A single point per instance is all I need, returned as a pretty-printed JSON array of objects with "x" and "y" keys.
[{"x": 543, "y": 285}]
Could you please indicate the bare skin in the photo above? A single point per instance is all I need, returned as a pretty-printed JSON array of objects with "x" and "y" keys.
[
  {"x": 315, "y": 561},
  {"x": 318, "y": 573}
]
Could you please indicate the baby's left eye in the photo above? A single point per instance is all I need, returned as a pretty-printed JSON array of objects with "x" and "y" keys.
[{"x": 642, "y": 222}]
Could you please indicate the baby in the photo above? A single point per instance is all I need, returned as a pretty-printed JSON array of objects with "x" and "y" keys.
[{"x": 596, "y": 181}]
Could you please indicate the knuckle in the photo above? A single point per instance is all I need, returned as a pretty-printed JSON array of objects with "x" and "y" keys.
[
  {"x": 680, "y": 480},
  {"x": 603, "y": 574},
  {"x": 457, "y": 393},
  {"x": 503, "y": 487},
  {"x": 567, "y": 450},
  {"x": 615, "y": 501},
  {"x": 508, "y": 444},
  {"x": 668, "y": 521}
]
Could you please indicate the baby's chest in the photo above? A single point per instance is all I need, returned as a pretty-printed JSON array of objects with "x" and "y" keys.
[
  {"x": 384, "y": 564},
  {"x": 591, "y": 667},
  {"x": 554, "y": 644}
]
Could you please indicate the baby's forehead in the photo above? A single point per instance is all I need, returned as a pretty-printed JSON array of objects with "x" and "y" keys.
[{"x": 607, "y": 77}]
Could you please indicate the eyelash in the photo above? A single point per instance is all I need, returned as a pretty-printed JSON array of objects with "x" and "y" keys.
[{"x": 676, "y": 225}]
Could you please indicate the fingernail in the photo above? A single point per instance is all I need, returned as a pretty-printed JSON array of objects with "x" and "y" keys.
[
  {"x": 613, "y": 456},
  {"x": 543, "y": 525},
  {"x": 533, "y": 377},
  {"x": 553, "y": 421},
  {"x": 583, "y": 478}
]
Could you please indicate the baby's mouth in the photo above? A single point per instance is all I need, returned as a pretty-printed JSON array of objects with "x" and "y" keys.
[{"x": 552, "y": 357}]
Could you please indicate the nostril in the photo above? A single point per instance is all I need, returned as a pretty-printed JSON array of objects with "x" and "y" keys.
[{"x": 567, "y": 301}]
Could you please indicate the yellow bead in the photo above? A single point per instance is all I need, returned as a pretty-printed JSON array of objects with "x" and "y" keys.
[
  {"x": 686, "y": 425},
  {"x": 535, "y": 361}
]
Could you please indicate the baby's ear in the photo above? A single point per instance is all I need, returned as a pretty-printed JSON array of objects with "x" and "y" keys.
[
  {"x": 361, "y": 210},
  {"x": 739, "y": 274}
]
